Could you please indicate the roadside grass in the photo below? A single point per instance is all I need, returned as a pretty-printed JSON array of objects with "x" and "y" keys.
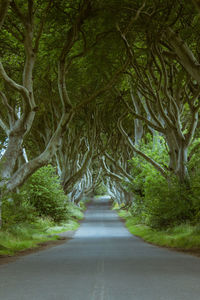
[
  {"x": 69, "y": 226},
  {"x": 22, "y": 237},
  {"x": 25, "y": 236},
  {"x": 100, "y": 196},
  {"x": 184, "y": 236},
  {"x": 76, "y": 212}
]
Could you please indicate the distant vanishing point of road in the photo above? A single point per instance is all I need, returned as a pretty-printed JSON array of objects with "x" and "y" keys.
[{"x": 103, "y": 261}]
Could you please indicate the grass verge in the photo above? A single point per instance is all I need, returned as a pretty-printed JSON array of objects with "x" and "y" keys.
[
  {"x": 184, "y": 236},
  {"x": 29, "y": 236}
]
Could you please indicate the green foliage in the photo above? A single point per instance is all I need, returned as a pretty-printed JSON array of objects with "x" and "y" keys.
[
  {"x": 17, "y": 209},
  {"x": 74, "y": 211},
  {"x": 41, "y": 197},
  {"x": 166, "y": 204},
  {"x": 18, "y": 237},
  {"x": 36, "y": 213},
  {"x": 194, "y": 172},
  {"x": 23, "y": 236},
  {"x": 100, "y": 190},
  {"x": 182, "y": 236},
  {"x": 160, "y": 203},
  {"x": 44, "y": 192}
]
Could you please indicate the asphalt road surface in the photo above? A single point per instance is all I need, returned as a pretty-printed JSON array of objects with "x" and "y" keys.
[{"x": 102, "y": 262}]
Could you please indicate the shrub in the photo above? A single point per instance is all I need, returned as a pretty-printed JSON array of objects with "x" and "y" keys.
[
  {"x": 45, "y": 193},
  {"x": 194, "y": 172},
  {"x": 159, "y": 203},
  {"x": 166, "y": 204},
  {"x": 17, "y": 209}
]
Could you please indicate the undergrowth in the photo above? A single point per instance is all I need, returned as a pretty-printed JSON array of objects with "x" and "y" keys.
[
  {"x": 185, "y": 236},
  {"x": 26, "y": 236},
  {"x": 37, "y": 213}
]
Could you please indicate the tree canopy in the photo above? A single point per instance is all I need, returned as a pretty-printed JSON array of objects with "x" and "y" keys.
[{"x": 97, "y": 87}]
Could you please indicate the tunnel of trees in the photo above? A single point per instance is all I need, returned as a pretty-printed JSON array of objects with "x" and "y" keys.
[{"x": 108, "y": 94}]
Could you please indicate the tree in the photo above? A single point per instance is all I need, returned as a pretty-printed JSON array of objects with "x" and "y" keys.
[{"x": 165, "y": 93}]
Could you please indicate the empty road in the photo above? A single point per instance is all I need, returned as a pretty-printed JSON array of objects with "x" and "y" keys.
[{"x": 103, "y": 261}]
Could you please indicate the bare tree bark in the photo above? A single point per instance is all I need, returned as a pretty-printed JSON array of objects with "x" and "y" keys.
[
  {"x": 184, "y": 54},
  {"x": 147, "y": 158}
]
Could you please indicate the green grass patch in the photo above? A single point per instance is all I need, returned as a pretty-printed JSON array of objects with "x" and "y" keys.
[
  {"x": 69, "y": 226},
  {"x": 124, "y": 213},
  {"x": 115, "y": 206},
  {"x": 22, "y": 237},
  {"x": 98, "y": 196},
  {"x": 75, "y": 211},
  {"x": 28, "y": 236},
  {"x": 183, "y": 236}
]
